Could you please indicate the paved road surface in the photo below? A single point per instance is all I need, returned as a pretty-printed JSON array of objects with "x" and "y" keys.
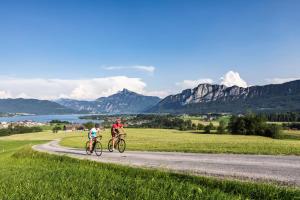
[{"x": 281, "y": 169}]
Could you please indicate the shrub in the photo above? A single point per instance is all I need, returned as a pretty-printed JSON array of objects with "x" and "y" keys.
[
  {"x": 273, "y": 131},
  {"x": 194, "y": 126},
  {"x": 222, "y": 127},
  {"x": 293, "y": 126},
  {"x": 209, "y": 128},
  {"x": 56, "y": 129},
  {"x": 200, "y": 126}
]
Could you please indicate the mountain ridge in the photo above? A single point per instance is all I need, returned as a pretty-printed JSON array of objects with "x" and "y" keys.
[
  {"x": 33, "y": 106},
  {"x": 220, "y": 98},
  {"x": 124, "y": 101}
]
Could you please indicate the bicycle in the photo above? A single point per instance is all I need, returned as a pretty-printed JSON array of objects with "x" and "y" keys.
[
  {"x": 119, "y": 143},
  {"x": 97, "y": 147}
]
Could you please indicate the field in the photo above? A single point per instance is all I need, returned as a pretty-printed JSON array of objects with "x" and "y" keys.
[
  {"x": 182, "y": 141},
  {"x": 186, "y": 141},
  {"x": 26, "y": 174}
]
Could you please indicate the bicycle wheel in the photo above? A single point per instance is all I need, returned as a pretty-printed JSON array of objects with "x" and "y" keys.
[
  {"x": 98, "y": 148},
  {"x": 121, "y": 145},
  {"x": 110, "y": 146},
  {"x": 87, "y": 148}
]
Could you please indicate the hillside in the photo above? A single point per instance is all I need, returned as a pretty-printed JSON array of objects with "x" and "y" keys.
[{"x": 33, "y": 106}]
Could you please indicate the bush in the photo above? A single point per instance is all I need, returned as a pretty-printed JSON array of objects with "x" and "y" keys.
[
  {"x": 222, "y": 127},
  {"x": 293, "y": 126},
  {"x": 194, "y": 126},
  {"x": 200, "y": 126},
  {"x": 273, "y": 131},
  {"x": 209, "y": 128},
  {"x": 56, "y": 129}
]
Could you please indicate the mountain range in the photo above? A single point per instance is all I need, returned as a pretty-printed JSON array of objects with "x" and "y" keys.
[
  {"x": 124, "y": 101},
  {"x": 218, "y": 98},
  {"x": 205, "y": 98}
]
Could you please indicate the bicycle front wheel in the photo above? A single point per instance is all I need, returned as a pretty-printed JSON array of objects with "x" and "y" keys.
[
  {"x": 98, "y": 149},
  {"x": 110, "y": 146},
  {"x": 121, "y": 145}
]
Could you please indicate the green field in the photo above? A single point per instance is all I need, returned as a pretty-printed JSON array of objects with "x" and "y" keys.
[
  {"x": 186, "y": 141},
  {"x": 26, "y": 174},
  {"x": 182, "y": 141}
]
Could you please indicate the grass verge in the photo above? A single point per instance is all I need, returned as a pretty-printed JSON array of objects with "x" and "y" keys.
[{"x": 26, "y": 174}]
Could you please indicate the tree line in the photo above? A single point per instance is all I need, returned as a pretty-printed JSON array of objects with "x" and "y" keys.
[
  {"x": 249, "y": 124},
  {"x": 11, "y": 130},
  {"x": 281, "y": 117}
]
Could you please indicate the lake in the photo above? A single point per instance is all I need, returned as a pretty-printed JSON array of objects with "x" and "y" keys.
[{"x": 48, "y": 118}]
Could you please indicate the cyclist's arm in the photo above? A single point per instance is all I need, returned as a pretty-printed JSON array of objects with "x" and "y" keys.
[
  {"x": 114, "y": 131},
  {"x": 123, "y": 130}
]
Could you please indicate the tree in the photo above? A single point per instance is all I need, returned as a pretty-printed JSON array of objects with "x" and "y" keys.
[
  {"x": 89, "y": 125},
  {"x": 209, "y": 128},
  {"x": 200, "y": 126},
  {"x": 55, "y": 129},
  {"x": 194, "y": 126},
  {"x": 253, "y": 125},
  {"x": 222, "y": 127}
]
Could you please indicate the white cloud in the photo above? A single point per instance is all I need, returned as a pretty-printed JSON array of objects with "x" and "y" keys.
[
  {"x": 232, "y": 78},
  {"x": 4, "y": 94},
  {"x": 159, "y": 93},
  {"x": 280, "y": 80},
  {"x": 75, "y": 88},
  {"x": 193, "y": 83},
  {"x": 148, "y": 69}
]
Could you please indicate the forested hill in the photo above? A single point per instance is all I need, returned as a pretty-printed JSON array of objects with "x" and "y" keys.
[{"x": 33, "y": 106}]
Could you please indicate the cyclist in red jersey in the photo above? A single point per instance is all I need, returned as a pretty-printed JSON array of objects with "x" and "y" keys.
[{"x": 115, "y": 131}]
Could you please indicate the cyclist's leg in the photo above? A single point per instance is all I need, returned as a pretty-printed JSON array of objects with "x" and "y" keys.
[
  {"x": 94, "y": 143},
  {"x": 91, "y": 144},
  {"x": 113, "y": 134},
  {"x": 116, "y": 135},
  {"x": 113, "y": 142}
]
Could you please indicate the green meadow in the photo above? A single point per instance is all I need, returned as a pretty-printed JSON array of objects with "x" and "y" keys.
[
  {"x": 187, "y": 141},
  {"x": 26, "y": 174}
]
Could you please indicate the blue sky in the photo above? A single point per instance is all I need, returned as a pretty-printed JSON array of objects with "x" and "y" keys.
[{"x": 183, "y": 41}]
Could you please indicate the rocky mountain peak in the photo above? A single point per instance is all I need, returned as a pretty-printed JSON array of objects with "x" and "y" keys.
[{"x": 219, "y": 98}]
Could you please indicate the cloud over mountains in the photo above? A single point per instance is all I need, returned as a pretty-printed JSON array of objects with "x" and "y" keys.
[
  {"x": 231, "y": 78},
  {"x": 68, "y": 88}
]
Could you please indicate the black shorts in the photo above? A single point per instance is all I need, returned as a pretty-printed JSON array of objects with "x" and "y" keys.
[{"x": 114, "y": 133}]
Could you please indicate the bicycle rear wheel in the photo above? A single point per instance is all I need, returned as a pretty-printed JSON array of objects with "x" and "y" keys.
[
  {"x": 87, "y": 148},
  {"x": 121, "y": 145},
  {"x": 110, "y": 146},
  {"x": 98, "y": 148}
]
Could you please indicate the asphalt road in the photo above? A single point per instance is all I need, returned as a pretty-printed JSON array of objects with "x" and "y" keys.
[{"x": 281, "y": 169}]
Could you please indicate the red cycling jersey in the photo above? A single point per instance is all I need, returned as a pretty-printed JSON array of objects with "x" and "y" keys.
[{"x": 117, "y": 125}]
